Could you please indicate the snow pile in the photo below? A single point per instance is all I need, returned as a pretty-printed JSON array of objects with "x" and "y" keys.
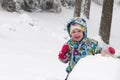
[{"x": 96, "y": 68}]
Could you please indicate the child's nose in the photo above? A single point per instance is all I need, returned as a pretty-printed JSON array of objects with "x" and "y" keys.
[{"x": 77, "y": 33}]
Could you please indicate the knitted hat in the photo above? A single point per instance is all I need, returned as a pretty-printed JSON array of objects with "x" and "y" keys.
[{"x": 76, "y": 26}]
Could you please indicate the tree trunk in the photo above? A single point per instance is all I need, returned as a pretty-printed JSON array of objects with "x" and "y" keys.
[
  {"x": 77, "y": 10},
  {"x": 106, "y": 20},
  {"x": 99, "y": 2},
  {"x": 87, "y": 8}
]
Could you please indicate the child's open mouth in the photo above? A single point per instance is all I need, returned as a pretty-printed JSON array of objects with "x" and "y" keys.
[{"x": 77, "y": 37}]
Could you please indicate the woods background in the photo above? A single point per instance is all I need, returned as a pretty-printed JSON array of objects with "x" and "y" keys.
[{"x": 81, "y": 7}]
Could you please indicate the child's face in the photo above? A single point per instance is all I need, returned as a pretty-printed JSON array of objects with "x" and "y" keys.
[{"x": 77, "y": 34}]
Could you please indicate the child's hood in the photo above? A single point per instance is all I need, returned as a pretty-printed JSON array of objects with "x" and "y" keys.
[{"x": 80, "y": 21}]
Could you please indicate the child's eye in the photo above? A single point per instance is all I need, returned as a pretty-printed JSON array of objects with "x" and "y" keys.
[
  {"x": 74, "y": 32},
  {"x": 79, "y": 30}
]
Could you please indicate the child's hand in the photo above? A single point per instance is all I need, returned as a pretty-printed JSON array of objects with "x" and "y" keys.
[
  {"x": 63, "y": 52},
  {"x": 65, "y": 49},
  {"x": 62, "y": 56},
  {"x": 110, "y": 51}
]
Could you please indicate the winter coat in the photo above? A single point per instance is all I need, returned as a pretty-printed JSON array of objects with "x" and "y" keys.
[{"x": 80, "y": 50}]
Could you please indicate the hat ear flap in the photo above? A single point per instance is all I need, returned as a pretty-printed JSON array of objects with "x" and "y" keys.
[{"x": 68, "y": 26}]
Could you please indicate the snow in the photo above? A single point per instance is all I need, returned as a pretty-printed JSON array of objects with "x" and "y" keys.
[
  {"x": 96, "y": 68},
  {"x": 30, "y": 43}
]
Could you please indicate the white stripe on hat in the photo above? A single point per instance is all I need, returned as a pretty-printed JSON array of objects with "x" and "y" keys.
[{"x": 75, "y": 26}]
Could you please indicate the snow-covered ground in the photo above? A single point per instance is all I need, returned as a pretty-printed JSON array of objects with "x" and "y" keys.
[{"x": 30, "y": 43}]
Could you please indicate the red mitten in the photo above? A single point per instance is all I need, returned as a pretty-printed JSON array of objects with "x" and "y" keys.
[
  {"x": 111, "y": 50},
  {"x": 65, "y": 49},
  {"x": 62, "y": 56}
]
